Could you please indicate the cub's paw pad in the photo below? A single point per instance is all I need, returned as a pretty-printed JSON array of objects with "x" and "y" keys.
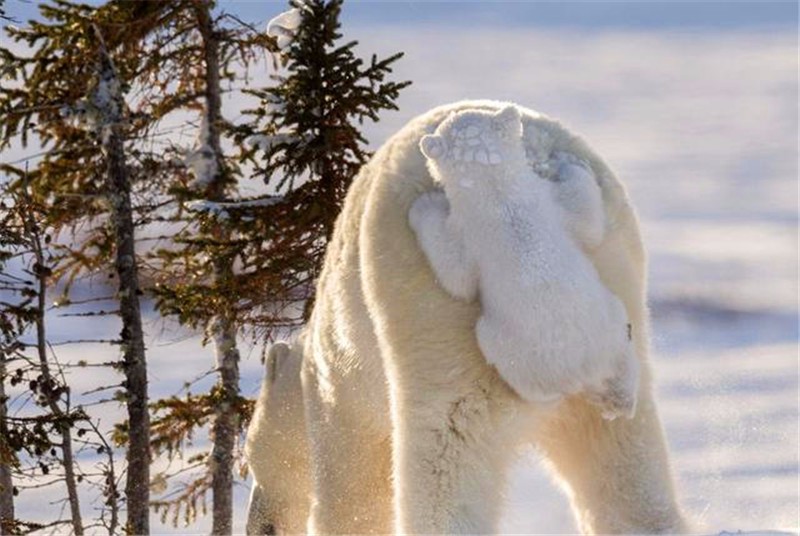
[{"x": 472, "y": 143}]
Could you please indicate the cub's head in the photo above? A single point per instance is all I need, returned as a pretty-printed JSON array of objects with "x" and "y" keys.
[{"x": 474, "y": 141}]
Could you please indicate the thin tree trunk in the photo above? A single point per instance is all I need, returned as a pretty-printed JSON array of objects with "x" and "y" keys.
[
  {"x": 226, "y": 424},
  {"x": 135, "y": 365},
  {"x": 225, "y": 428},
  {"x": 6, "y": 482},
  {"x": 137, "y": 485},
  {"x": 67, "y": 458}
]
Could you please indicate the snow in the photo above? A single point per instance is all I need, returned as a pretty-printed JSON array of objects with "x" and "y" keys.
[
  {"x": 273, "y": 105},
  {"x": 220, "y": 208},
  {"x": 284, "y": 26},
  {"x": 100, "y": 108},
  {"x": 266, "y": 142},
  {"x": 703, "y": 130},
  {"x": 200, "y": 160},
  {"x": 106, "y": 94}
]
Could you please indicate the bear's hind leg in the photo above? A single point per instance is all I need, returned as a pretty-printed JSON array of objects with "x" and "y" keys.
[
  {"x": 617, "y": 472},
  {"x": 450, "y": 459}
]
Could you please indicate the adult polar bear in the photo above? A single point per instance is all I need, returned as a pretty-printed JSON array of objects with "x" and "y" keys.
[{"x": 410, "y": 430}]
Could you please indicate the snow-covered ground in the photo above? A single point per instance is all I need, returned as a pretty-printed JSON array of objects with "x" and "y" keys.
[{"x": 703, "y": 128}]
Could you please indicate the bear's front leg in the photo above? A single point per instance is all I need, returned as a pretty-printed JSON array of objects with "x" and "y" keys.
[
  {"x": 258, "y": 517},
  {"x": 443, "y": 247},
  {"x": 451, "y": 453}
]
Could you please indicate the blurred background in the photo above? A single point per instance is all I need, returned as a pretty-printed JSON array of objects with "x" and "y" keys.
[{"x": 695, "y": 106}]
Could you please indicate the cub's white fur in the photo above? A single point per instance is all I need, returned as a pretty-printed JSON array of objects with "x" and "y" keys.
[
  {"x": 410, "y": 430},
  {"x": 548, "y": 324}
]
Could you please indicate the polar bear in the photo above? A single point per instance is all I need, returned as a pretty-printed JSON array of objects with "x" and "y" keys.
[
  {"x": 410, "y": 430},
  {"x": 276, "y": 448},
  {"x": 497, "y": 232}
]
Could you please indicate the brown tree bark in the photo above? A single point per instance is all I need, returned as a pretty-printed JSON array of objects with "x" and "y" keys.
[
  {"x": 6, "y": 482},
  {"x": 226, "y": 426},
  {"x": 118, "y": 192},
  {"x": 67, "y": 457}
]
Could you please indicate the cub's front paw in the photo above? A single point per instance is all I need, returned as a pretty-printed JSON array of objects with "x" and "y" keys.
[
  {"x": 618, "y": 395},
  {"x": 428, "y": 207}
]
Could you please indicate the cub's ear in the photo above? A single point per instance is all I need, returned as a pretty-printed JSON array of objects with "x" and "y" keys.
[
  {"x": 509, "y": 120},
  {"x": 432, "y": 146}
]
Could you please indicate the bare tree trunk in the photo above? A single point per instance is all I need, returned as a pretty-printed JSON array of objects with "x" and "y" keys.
[
  {"x": 134, "y": 362},
  {"x": 226, "y": 421},
  {"x": 6, "y": 482},
  {"x": 137, "y": 485},
  {"x": 49, "y": 383},
  {"x": 225, "y": 429}
]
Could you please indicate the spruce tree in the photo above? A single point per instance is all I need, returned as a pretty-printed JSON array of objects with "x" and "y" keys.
[
  {"x": 75, "y": 106},
  {"x": 233, "y": 264},
  {"x": 71, "y": 100},
  {"x": 308, "y": 146},
  {"x": 195, "y": 53},
  {"x": 43, "y": 433},
  {"x": 264, "y": 250},
  {"x": 12, "y": 325}
]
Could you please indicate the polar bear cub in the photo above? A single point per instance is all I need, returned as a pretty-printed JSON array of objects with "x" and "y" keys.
[{"x": 504, "y": 234}]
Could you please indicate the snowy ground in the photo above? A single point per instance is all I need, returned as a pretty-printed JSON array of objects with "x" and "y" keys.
[{"x": 703, "y": 129}]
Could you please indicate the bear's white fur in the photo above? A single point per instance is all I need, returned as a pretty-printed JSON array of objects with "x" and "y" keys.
[
  {"x": 548, "y": 324},
  {"x": 409, "y": 429},
  {"x": 276, "y": 448}
]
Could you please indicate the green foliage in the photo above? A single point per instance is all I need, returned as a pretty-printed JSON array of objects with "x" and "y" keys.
[
  {"x": 175, "y": 420},
  {"x": 310, "y": 119},
  {"x": 33, "y": 434},
  {"x": 174, "y": 423},
  {"x": 47, "y": 101},
  {"x": 155, "y": 49},
  {"x": 210, "y": 250},
  {"x": 307, "y": 148}
]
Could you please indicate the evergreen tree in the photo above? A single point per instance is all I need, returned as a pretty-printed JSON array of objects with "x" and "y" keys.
[
  {"x": 246, "y": 264},
  {"x": 308, "y": 147},
  {"x": 178, "y": 54},
  {"x": 233, "y": 264},
  {"x": 71, "y": 75},
  {"x": 11, "y": 327},
  {"x": 193, "y": 53},
  {"x": 44, "y": 435},
  {"x": 107, "y": 99}
]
